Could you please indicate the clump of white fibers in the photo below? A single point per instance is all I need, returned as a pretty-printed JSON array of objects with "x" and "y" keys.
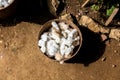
[
  {"x": 5, "y": 3},
  {"x": 59, "y": 41}
]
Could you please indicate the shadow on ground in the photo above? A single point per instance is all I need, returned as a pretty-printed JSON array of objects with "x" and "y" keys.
[
  {"x": 92, "y": 48},
  {"x": 35, "y": 11}
]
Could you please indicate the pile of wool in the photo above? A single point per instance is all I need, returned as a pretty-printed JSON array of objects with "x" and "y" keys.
[
  {"x": 59, "y": 41},
  {"x": 5, "y": 3}
]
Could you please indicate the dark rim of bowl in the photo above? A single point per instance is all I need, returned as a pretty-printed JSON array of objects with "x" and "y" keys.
[{"x": 69, "y": 23}]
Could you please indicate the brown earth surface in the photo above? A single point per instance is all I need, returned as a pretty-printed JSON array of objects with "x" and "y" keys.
[{"x": 20, "y": 58}]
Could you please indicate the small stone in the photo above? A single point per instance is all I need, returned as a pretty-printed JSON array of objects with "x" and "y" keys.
[
  {"x": 1, "y": 41},
  {"x": 119, "y": 23},
  {"x": 104, "y": 37},
  {"x": 113, "y": 66},
  {"x": 115, "y": 34},
  {"x": 92, "y": 77},
  {"x": 115, "y": 51},
  {"x": 103, "y": 59},
  {"x": 61, "y": 62},
  {"x": 77, "y": 16},
  {"x": 68, "y": 7},
  {"x": 118, "y": 4}
]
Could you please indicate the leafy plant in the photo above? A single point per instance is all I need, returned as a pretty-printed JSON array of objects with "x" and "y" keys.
[
  {"x": 110, "y": 6},
  {"x": 109, "y": 11},
  {"x": 95, "y": 7}
]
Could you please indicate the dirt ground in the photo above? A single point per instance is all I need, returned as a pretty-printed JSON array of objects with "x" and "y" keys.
[{"x": 20, "y": 58}]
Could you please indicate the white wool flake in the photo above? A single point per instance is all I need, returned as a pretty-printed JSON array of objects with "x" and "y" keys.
[
  {"x": 10, "y": 1},
  {"x": 44, "y": 36},
  {"x": 55, "y": 25},
  {"x": 77, "y": 38},
  {"x": 43, "y": 49},
  {"x": 5, "y": 3},
  {"x": 42, "y": 44},
  {"x": 67, "y": 31},
  {"x": 73, "y": 33},
  {"x": 68, "y": 50},
  {"x": 69, "y": 41},
  {"x": 63, "y": 50},
  {"x": 52, "y": 48},
  {"x": 63, "y": 26},
  {"x": 55, "y": 36}
]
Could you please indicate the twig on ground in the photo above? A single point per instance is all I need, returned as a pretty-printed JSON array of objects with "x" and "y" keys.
[
  {"x": 85, "y": 3},
  {"x": 115, "y": 11}
]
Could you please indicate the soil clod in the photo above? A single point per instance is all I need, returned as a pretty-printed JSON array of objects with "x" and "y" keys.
[
  {"x": 103, "y": 59},
  {"x": 113, "y": 66}
]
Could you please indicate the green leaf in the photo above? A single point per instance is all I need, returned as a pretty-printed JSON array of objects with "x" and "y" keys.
[
  {"x": 95, "y": 7},
  {"x": 109, "y": 11}
]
